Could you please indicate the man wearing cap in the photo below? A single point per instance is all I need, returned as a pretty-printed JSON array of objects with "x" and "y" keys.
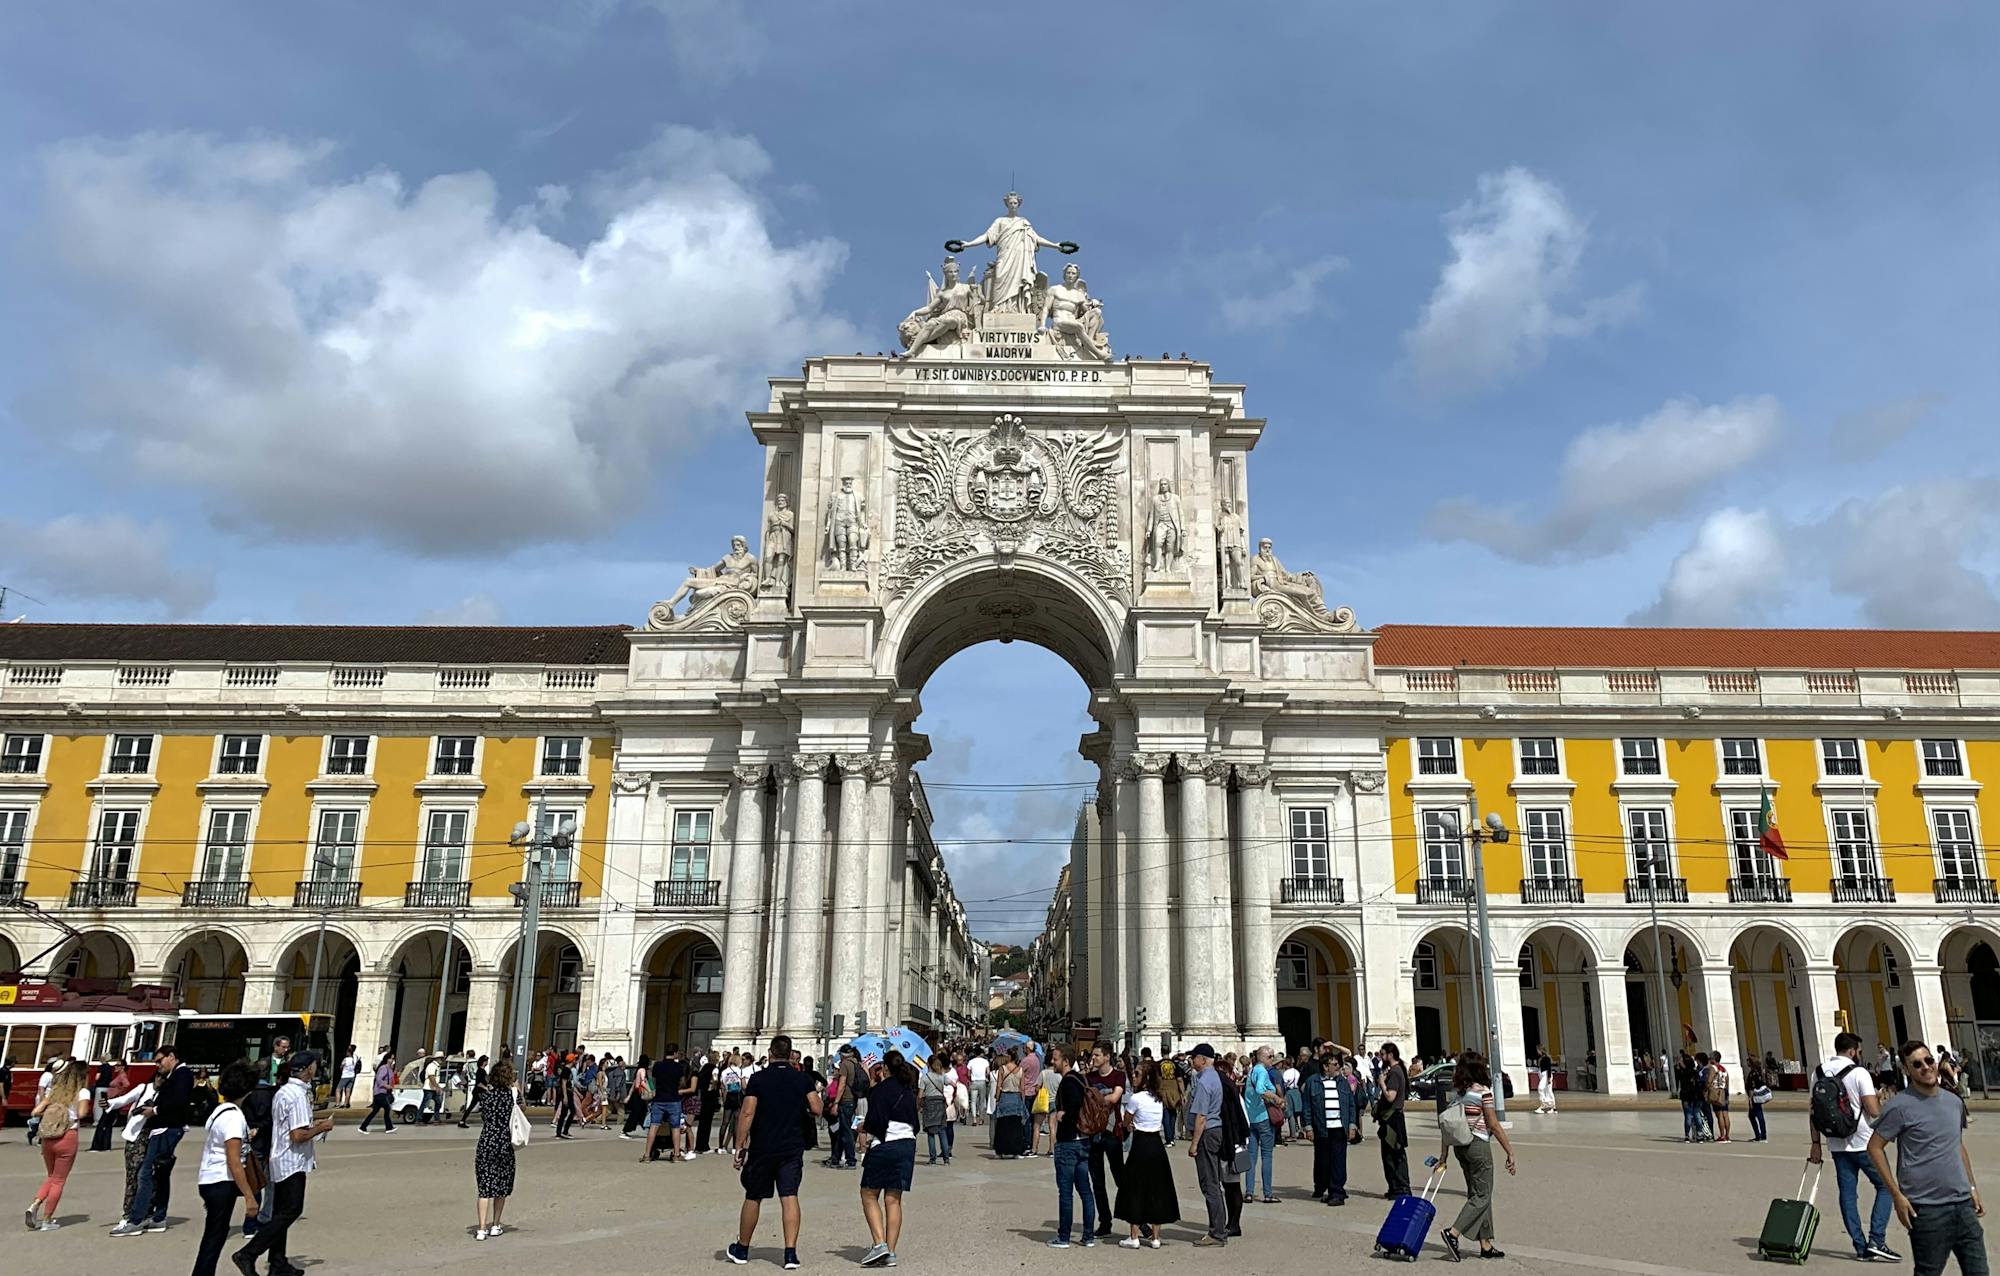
[
  {"x": 293, "y": 1153},
  {"x": 1204, "y": 1118}
]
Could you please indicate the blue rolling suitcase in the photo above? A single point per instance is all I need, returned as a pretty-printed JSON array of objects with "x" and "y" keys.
[{"x": 1409, "y": 1222}]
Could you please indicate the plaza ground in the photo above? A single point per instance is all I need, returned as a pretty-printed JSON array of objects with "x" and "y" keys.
[{"x": 1597, "y": 1192}]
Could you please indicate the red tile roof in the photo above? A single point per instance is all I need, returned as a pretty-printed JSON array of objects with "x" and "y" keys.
[
  {"x": 1506, "y": 647},
  {"x": 342, "y": 644}
]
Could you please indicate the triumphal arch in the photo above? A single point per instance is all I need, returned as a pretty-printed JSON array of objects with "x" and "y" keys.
[{"x": 1004, "y": 475}]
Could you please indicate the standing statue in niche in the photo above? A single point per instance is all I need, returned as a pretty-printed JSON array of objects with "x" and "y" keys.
[
  {"x": 1166, "y": 530},
  {"x": 737, "y": 571},
  {"x": 847, "y": 528},
  {"x": 949, "y": 315},
  {"x": 1012, "y": 281},
  {"x": 1232, "y": 542},
  {"x": 780, "y": 534},
  {"x": 1075, "y": 319},
  {"x": 1268, "y": 576}
]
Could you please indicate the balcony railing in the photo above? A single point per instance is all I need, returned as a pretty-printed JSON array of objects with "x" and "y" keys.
[
  {"x": 103, "y": 892},
  {"x": 1658, "y": 890},
  {"x": 326, "y": 893},
  {"x": 682, "y": 892},
  {"x": 437, "y": 894},
  {"x": 1965, "y": 890},
  {"x": 1552, "y": 890},
  {"x": 554, "y": 894},
  {"x": 215, "y": 894},
  {"x": 1311, "y": 890},
  {"x": 1443, "y": 890},
  {"x": 1759, "y": 890},
  {"x": 1863, "y": 890},
  {"x": 13, "y": 892}
]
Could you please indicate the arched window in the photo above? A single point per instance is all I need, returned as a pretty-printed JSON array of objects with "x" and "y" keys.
[
  {"x": 1294, "y": 967},
  {"x": 1425, "y": 964},
  {"x": 1892, "y": 972},
  {"x": 1526, "y": 963}
]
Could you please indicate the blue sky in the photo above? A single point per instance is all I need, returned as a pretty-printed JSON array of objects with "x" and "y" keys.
[{"x": 1559, "y": 315}]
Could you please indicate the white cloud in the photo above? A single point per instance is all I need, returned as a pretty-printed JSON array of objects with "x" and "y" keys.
[
  {"x": 1285, "y": 303},
  {"x": 1864, "y": 433},
  {"x": 473, "y": 609},
  {"x": 1616, "y": 480},
  {"x": 359, "y": 358},
  {"x": 102, "y": 558},
  {"x": 1500, "y": 299},
  {"x": 1733, "y": 574},
  {"x": 712, "y": 40},
  {"x": 1920, "y": 555}
]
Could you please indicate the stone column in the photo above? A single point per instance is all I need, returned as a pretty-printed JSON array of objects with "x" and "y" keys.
[
  {"x": 896, "y": 942},
  {"x": 1153, "y": 978},
  {"x": 1220, "y": 852},
  {"x": 1388, "y": 999},
  {"x": 1821, "y": 982},
  {"x": 743, "y": 923},
  {"x": 806, "y": 907},
  {"x": 850, "y": 888},
  {"x": 1196, "y": 1015},
  {"x": 1614, "y": 1044},
  {"x": 1718, "y": 1003},
  {"x": 483, "y": 1030},
  {"x": 1507, "y": 1015},
  {"x": 878, "y": 934},
  {"x": 1104, "y": 999},
  {"x": 1928, "y": 984},
  {"x": 1260, "y": 938},
  {"x": 372, "y": 991},
  {"x": 607, "y": 1013},
  {"x": 265, "y": 991}
]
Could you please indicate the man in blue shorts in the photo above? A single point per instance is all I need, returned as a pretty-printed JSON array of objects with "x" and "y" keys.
[
  {"x": 669, "y": 1078},
  {"x": 771, "y": 1147}
]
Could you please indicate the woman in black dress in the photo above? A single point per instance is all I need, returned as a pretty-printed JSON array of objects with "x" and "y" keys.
[
  {"x": 1146, "y": 1196},
  {"x": 493, "y": 1155}
]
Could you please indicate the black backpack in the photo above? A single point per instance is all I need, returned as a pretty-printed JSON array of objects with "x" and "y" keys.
[{"x": 1833, "y": 1113}]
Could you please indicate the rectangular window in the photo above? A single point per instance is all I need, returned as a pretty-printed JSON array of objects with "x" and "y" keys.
[
  {"x": 1740, "y": 757},
  {"x": 1437, "y": 755},
  {"x": 562, "y": 755},
  {"x": 1747, "y": 856},
  {"x": 1958, "y": 854},
  {"x": 1425, "y": 967},
  {"x": 444, "y": 846},
  {"x": 1538, "y": 757},
  {"x": 1639, "y": 755},
  {"x": 1444, "y": 853},
  {"x": 1941, "y": 757},
  {"x": 1548, "y": 847},
  {"x": 1525, "y": 964},
  {"x": 562, "y": 859},
  {"x": 333, "y": 849},
  {"x": 569, "y": 970},
  {"x": 1853, "y": 846},
  {"x": 1840, "y": 757},
  {"x": 13, "y": 844},
  {"x": 1646, "y": 827},
  {"x": 131, "y": 754},
  {"x": 1310, "y": 857},
  {"x": 1293, "y": 967},
  {"x": 347, "y": 755},
  {"x": 228, "y": 844},
  {"x": 117, "y": 840},
  {"x": 240, "y": 754},
  {"x": 705, "y": 976},
  {"x": 455, "y": 754},
  {"x": 690, "y": 853},
  {"x": 21, "y": 755}
]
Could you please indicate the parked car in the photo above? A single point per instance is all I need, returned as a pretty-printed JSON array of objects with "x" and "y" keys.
[{"x": 1434, "y": 1082}]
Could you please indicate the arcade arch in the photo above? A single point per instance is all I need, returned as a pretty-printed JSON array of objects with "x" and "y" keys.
[
  {"x": 1775, "y": 1010},
  {"x": 680, "y": 993},
  {"x": 1877, "y": 995},
  {"x": 556, "y": 989},
  {"x": 1446, "y": 986},
  {"x": 1556, "y": 968},
  {"x": 1666, "y": 967},
  {"x": 95, "y": 954},
  {"x": 339, "y": 960},
  {"x": 206, "y": 970},
  {"x": 426, "y": 967},
  {"x": 1317, "y": 989}
]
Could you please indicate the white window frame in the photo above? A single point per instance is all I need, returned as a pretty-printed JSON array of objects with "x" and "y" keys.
[
  {"x": 1860, "y": 759},
  {"x": 1424, "y": 970},
  {"x": 205, "y": 868},
  {"x": 21, "y": 852},
  {"x": 1625, "y": 771},
  {"x": 1558, "y": 758},
  {"x": 1529, "y": 967},
  {"x": 1450, "y": 849},
  {"x": 1296, "y": 957},
  {"x": 681, "y": 868},
  {"x": 705, "y": 983},
  {"x": 1744, "y": 850},
  {"x": 478, "y": 757},
  {"x": 320, "y": 812},
  {"x": 425, "y": 817},
  {"x": 1664, "y": 835},
  {"x": 1451, "y": 745},
  {"x": 562, "y": 863},
  {"x": 98, "y": 811},
  {"x": 1532, "y": 858},
  {"x": 41, "y": 753},
  {"x": 1318, "y": 868},
  {"x": 1924, "y": 759},
  {"x": 367, "y": 756},
  {"x": 221, "y": 755},
  {"x": 1974, "y": 869},
  {"x": 581, "y": 759},
  {"x": 1837, "y": 843},
  {"x": 1722, "y": 759},
  {"x": 152, "y": 751}
]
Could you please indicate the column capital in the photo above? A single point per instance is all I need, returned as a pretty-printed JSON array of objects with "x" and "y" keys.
[
  {"x": 883, "y": 770},
  {"x": 855, "y": 765},
  {"x": 1138, "y": 766},
  {"x": 1252, "y": 775},
  {"x": 1209, "y": 767},
  {"x": 748, "y": 774},
  {"x": 809, "y": 765}
]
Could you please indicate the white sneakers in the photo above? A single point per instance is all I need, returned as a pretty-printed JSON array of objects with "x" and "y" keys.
[{"x": 687, "y": 1156}]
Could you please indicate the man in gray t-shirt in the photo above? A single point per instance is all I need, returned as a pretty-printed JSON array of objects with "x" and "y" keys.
[{"x": 1933, "y": 1188}]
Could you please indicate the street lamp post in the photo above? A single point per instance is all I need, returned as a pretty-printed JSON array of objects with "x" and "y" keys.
[
  {"x": 1496, "y": 828},
  {"x": 540, "y": 840},
  {"x": 1655, "y": 873}
]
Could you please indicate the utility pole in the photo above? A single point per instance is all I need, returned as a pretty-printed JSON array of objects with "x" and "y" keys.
[
  {"x": 1655, "y": 869},
  {"x": 444, "y": 980},
  {"x": 318, "y": 887},
  {"x": 1499, "y": 832},
  {"x": 539, "y": 843}
]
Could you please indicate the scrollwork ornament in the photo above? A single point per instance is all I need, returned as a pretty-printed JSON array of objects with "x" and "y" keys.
[
  {"x": 1368, "y": 781},
  {"x": 882, "y": 771},
  {"x": 855, "y": 764},
  {"x": 808, "y": 765},
  {"x": 749, "y": 774},
  {"x": 1253, "y": 775},
  {"x": 630, "y": 782}
]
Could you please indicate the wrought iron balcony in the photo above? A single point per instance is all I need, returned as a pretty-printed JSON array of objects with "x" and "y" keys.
[
  {"x": 1443, "y": 890},
  {"x": 681, "y": 892},
  {"x": 437, "y": 894},
  {"x": 1311, "y": 890},
  {"x": 1863, "y": 890},
  {"x": 103, "y": 892},
  {"x": 13, "y": 892},
  {"x": 1552, "y": 890},
  {"x": 324, "y": 893},
  {"x": 554, "y": 894},
  {"x": 1965, "y": 890},
  {"x": 217, "y": 893},
  {"x": 1659, "y": 890},
  {"x": 1759, "y": 890}
]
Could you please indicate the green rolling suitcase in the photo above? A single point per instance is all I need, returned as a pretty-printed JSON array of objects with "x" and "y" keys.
[{"x": 1789, "y": 1226}]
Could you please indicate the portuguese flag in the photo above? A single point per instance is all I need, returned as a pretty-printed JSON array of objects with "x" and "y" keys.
[{"x": 1768, "y": 838}]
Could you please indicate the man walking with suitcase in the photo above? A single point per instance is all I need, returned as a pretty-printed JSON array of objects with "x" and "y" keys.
[
  {"x": 1844, "y": 1109},
  {"x": 1935, "y": 1194}
]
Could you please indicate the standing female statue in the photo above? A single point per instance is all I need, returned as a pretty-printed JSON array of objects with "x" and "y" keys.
[{"x": 1011, "y": 281}]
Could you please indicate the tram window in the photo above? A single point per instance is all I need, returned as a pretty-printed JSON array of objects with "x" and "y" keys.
[{"x": 107, "y": 1042}]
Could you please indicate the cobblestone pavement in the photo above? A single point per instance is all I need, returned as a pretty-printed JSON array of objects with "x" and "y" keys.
[{"x": 1597, "y": 1192}]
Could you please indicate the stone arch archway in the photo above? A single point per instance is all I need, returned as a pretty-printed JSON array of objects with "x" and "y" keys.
[
  {"x": 96, "y": 956},
  {"x": 206, "y": 969},
  {"x": 1668, "y": 970},
  {"x": 337, "y": 955},
  {"x": 1318, "y": 988},
  {"x": 1555, "y": 968},
  {"x": 1776, "y": 1002},
  {"x": 558, "y": 988},
  {"x": 680, "y": 992},
  {"x": 1446, "y": 986},
  {"x": 1876, "y": 987},
  {"x": 986, "y": 598}
]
